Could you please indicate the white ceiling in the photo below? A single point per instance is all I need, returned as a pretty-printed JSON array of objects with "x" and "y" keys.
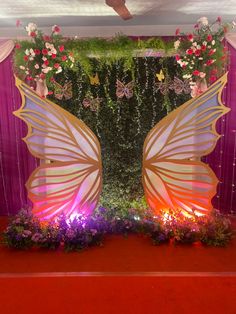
[{"x": 95, "y": 18}]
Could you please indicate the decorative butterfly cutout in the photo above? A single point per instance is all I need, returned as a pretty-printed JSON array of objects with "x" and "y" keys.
[
  {"x": 164, "y": 87},
  {"x": 180, "y": 86},
  {"x": 92, "y": 103},
  {"x": 63, "y": 91},
  {"x": 174, "y": 178},
  {"x": 160, "y": 76},
  {"x": 94, "y": 80},
  {"x": 124, "y": 90}
]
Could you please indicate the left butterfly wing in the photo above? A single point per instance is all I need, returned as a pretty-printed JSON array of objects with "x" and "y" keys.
[
  {"x": 172, "y": 180},
  {"x": 72, "y": 182},
  {"x": 58, "y": 90},
  {"x": 120, "y": 89}
]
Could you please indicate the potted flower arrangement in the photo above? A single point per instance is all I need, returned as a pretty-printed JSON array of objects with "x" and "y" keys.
[
  {"x": 46, "y": 57},
  {"x": 202, "y": 54}
]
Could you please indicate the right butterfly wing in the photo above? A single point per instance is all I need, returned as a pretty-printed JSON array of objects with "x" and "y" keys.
[
  {"x": 72, "y": 182},
  {"x": 173, "y": 178}
]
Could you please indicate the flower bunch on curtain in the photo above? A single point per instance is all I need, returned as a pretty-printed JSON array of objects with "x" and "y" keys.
[
  {"x": 45, "y": 55},
  {"x": 202, "y": 54}
]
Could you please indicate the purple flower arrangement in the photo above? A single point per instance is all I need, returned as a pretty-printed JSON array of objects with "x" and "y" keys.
[{"x": 25, "y": 231}]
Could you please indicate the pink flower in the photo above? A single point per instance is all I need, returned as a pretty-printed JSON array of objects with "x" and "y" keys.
[
  {"x": 209, "y": 37},
  {"x": 50, "y": 92},
  {"x": 211, "y": 52},
  {"x": 219, "y": 19},
  {"x": 44, "y": 52},
  {"x": 56, "y": 29},
  {"x": 42, "y": 76},
  {"x": 18, "y": 23},
  {"x": 33, "y": 34},
  {"x": 209, "y": 62},
  {"x": 46, "y": 38},
  {"x": 54, "y": 56},
  {"x": 189, "y": 51},
  {"x": 56, "y": 65},
  {"x": 64, "y": 58},
  {"x": 17, "y": 46},
  {"x": 61, "y": 48},
  {"x": 177, "y": 32},
  {"x": 196, "y": 72}
]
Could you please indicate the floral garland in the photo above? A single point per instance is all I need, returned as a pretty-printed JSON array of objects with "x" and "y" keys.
[
  {"x": 202, "y": 54},
  {"x": 44, "y": 56}
]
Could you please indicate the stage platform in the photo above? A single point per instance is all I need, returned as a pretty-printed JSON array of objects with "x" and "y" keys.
[{"x": 126, "y": 275}]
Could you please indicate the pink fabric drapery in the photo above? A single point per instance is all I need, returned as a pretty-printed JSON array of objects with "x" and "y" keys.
[{"x": 16, "y": 163}]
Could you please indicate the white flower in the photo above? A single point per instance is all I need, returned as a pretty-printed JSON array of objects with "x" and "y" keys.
[
  {"x": 26, "y": 72},
  {"x": 204, "y": 43},
  {"x": 213, "y": 42},
  {"x": 200, "y": 58},
  {"x": 31, "y": 58},
  {"x": 27, "y": 52},
  {"x": 59, "y": 70},
  {"x": 176, "y": 44},
  {"x": 187, "y": 76},
  {"x": 46, "y": 70},
  {"x": 72, "y": 59},
  {"x": 32, "y": 52},
  {"x": 198, "y": 47},
  {"x": 203, "y": 20},
  {"x": 190, "y": 67},
  {"x": 209, "y": 47},
  {"x": 195, "y": 44},
  {"x": 233, "y": 24},
  {"x": 36, "y": 66},
  {"x": 202, "y": 74},
  {"x": 22, "y": 67},
  {"x": 31, "y": 27},
  {"x": 44, "y": 58}
]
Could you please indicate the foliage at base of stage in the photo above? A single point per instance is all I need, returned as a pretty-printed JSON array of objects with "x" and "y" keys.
[{"x": 25, "y": 231}]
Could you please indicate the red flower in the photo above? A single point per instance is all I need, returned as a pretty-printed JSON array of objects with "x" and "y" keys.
[
  {"x": 223, "y": 57},
  {"x": 46, "y": 62},
  {"x": 33, "y": 34},
  {"x": 190, "y": 37},
  {"x": 203, "y": 47},
  {"x": 211, "y": 52},
  {"x": 18, "y": 23},
  {"x": 177, "y": 58},
  {"x": 209, "y": 38},
  {"x": 17, "y": 46},
  {"x": 197, "y": 52},
  {"x": 44, "y": 51},
  {"x": 56, "y": 29},
  {"x": 46, "y": 38},
  {"x": 37, "y": 51},
  {"x": 54, "y": 56},
  {"x": 177, "y": 32},
  {"x": 52, "y": 79},
  {"x": 196, "y": 26},
  {"x": 42, "y": 76},
  {"x": 213, "y": 78},
  {"x": 214, "y": 71},
  {"x": 26, "y": 58},
  {"x": 64, "y": 58},
  {"x": 209, "y": 62},
  {"x": 189, "y": 51},
  {"x": 61, "y": 48},
  {"x": 56, "y": 65},
  {"x": 196, "y": 72},
  {"x": 29, "y": 78},
  {"x": 50, "y": 92}
]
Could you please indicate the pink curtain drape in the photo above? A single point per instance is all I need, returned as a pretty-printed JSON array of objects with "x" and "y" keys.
[{"x": 16, "y": 163}]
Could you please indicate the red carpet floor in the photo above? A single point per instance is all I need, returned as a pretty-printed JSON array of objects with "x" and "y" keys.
[{"x": 127, "y": 275}]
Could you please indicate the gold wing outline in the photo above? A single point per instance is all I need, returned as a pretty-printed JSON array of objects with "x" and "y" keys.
[
  {"x": 173, "y": 179},
  {"x": 72, "y": 183}
]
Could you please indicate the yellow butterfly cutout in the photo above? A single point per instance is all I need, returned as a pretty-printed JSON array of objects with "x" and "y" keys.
[
  {"x": 160, "y": 76},
  {"x": 94, "y": 80}
]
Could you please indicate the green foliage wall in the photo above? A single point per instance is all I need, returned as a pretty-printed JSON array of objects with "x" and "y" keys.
[{"x": 121, "y": 125}]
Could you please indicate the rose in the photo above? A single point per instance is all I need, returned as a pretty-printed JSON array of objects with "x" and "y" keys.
[
  {"x": 33, "y": 34},
  {"x": 64, "y": 58},
  {"x": 46, "y": 62},
  {"x": 31, "y": 28},
  {"x": 177, "y": 32},
  {"x": 26, "y": 58},
  {"x": 189, "y": 51},
  {"x": 44, "y": 51},
  {"x": 219, "y": 19},
  {"x": 203, "y": 47},
  {"x": 196, "y": 72},
  {"x": 54, "y": 56},
  {"x": 61, "y": 48},
  {"x": 37, "y": 51},
  {"x": 177, "y": 57},
  {"x": 17, "y": 46},
  {"x": 46, "y": 38},
  {"x": 190, "y": 37},
  {"x": 56, "y": 29},
  {"x": 203, "y": 21},
  {"x": 197, "y": 52},
  {"x": 56, "y": 65},
  {"x": 209, "y": 37}
]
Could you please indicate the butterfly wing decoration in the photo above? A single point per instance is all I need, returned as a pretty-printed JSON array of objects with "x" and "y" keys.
[
  {"x": 94, "y": 80},
  {"x": 160, "y": 76},
  {"x": 71, "y": 184},
  {"x": 164, "y": 86},
  {"x": 180, "y": 86},
  {"x": 124, "y": 90},
  {"x": 63, "y": 91},
  {"x": 174, "y": 178}
]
